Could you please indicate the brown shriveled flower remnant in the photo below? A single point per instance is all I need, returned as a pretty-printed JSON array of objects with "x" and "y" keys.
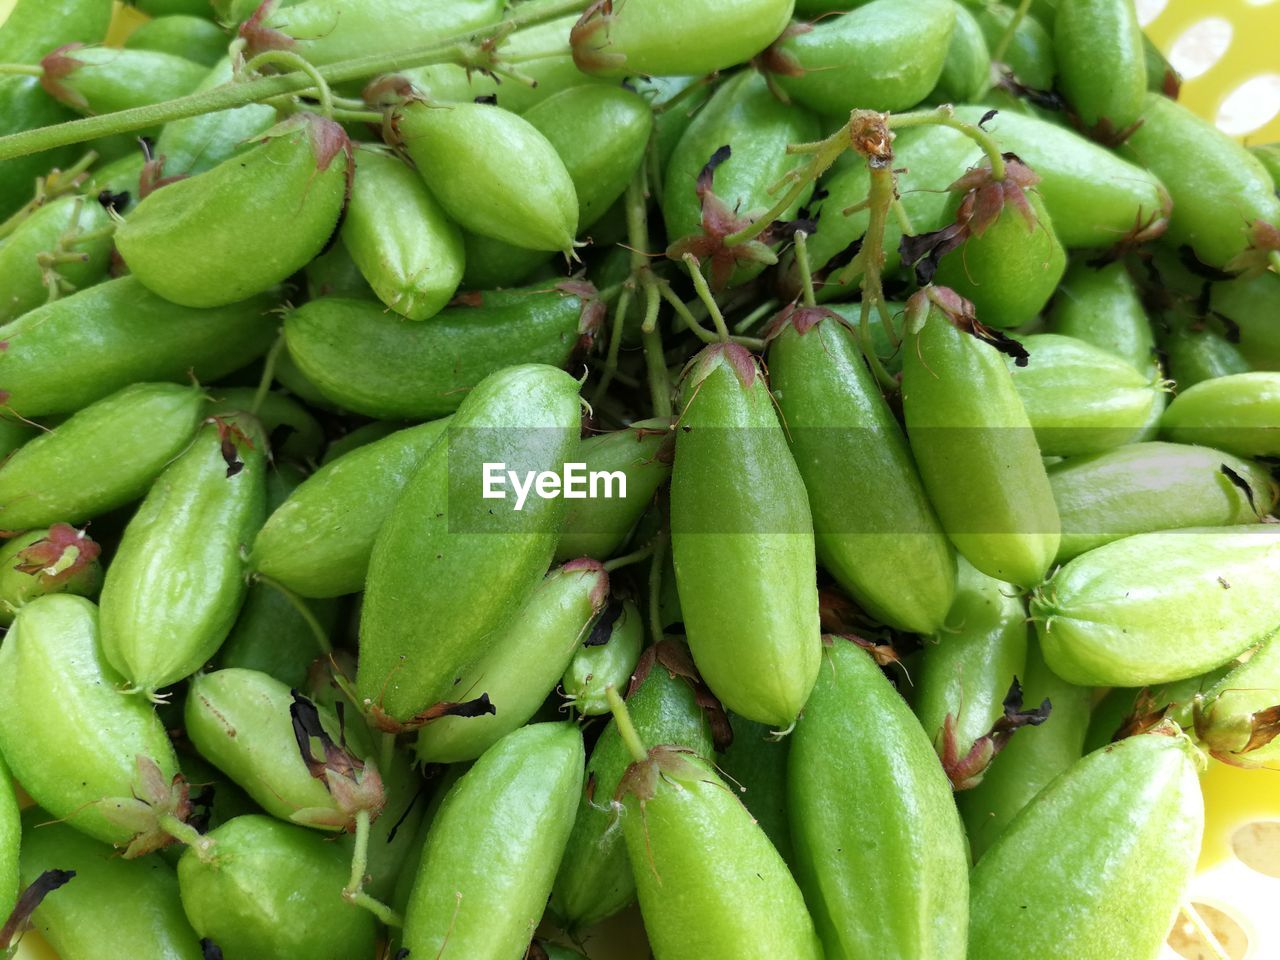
[
  {"x": 966, "y": 772},
  {"x": 354, "y": 784},
  {"x": 961, "y": 314}
]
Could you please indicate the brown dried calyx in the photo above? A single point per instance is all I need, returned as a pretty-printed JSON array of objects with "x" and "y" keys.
[
  {"x": 355, "y": 785},
  {"x": 961, "y": 314},
  {"x": 385, "y": 723},
  {"x": 30, "y": 898},
  {"x": 260, "y": 38},
  {"x": 1264, "y": 240},
  {"x": 674, "y": 657},
  {"x": 58, "y": 556},
  {"x": 589, "y": 39},
  {"x": 154, "y": 797},
  {"x": 966, "y": 772},
  {"x": 592, "y": 316},
  {"x": 58, "y": 64}
]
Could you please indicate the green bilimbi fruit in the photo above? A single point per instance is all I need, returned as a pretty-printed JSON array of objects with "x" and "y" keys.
[
  {"x": 513, "y": 807},
  {"x": 675, "y": 37},
  {"x": 1197, "y": 352},
  {"x": 325, "y": 31},
  {"x": 872, "y": 520},
  {"x": 1149, "y": 487},
  {"x": 1160, "y": 606},
  {"x": 106, "y": 79},
  {"x": 443, "y": 530},
  {"x": 521, "y": 664},
  {"x": 195, "y": 144},
  {"x": 297, "y": 435},
  {"x": 493, "y": 172},
  {"x": 973, "y": 443},
  {"x": 1009, "y": 261},
  {"x": 598, "y": 526},
  {"x": 195, "y": 38},
  {"x": 1127, "y": 817},
  {"x": 101, "y": 458},
  {"x": 1081, "y": 399},
  {"x": 605, "y": 658},
  {"x": 60, "y": 559},
  {"x": 399, "y": 236},
  {"x": 259, "y": 217},
  {"x": 87, "y": 755},
  {"x": 595, "y": 879},
  {"x": 1030, "y": 54},
  {"x": 1102, "y": 67},
  {"x": 966, "y": 72},
  {"x": 63, "y": 356},
  {"x": 1100, "y": 305},
  {"x": 1249, "y": 304},
  {"x": 34, "y": 27},
  {"x": 1238, "y": 413},
  {"x": 756, "y": 765},
  {"x": 361, "y": 356},
  {"x": 273, "y": 889},
  {"x": 10, "y": 839},
  {"x": 742, "y": 541},
  {"x": 883, "y": 877},
  {"x": 879, "y": 56},
  {"x": 273, "y": 636},
  {"x": 967, "y": 672},
  {"x": 317, "y": 543},
  {"x": 1238, "y": 717},
  {"x": 1032, "y": 759},
  {"x": 24, "y": 106},
  {"x": 201, "y": 513}
]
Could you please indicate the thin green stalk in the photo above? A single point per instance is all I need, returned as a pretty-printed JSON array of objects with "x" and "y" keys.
[
  {"x": 683, "y": 312},
  {"x": 657, "y": 564},
  {"x": 806, "y": 274},
  {"x": 21, "y": 69},
  {"x": 704, "y": 294},
  {"x": 626, "y": 729},
  {"x": 755, "y": 316},
  {"x": 186, "y": 834},
  {"x": 656, "y": 367},
  {"x": 635, "y": 556},
  {"x": 268, "y": 374},
  {"x": 353, "y": 892},
  {"x": 54, "y": 184},
  {"x": 945, "y": 116},
  {"x": 293, "y": 61},
  {"x": 1006, "y": 38},
  {"x": 615, "y": 344},
  {"x": 295, "y": 601},
  {"x": 450, "y": 50}
]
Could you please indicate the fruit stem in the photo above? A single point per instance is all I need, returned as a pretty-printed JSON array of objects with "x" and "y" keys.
[{"x": 626, "y": 729}]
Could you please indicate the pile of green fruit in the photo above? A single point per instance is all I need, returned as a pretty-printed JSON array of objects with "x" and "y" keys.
[{"x": 919, "y": 361}]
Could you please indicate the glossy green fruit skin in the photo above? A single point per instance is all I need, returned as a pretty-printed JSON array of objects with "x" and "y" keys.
[
  {"x": 298, "y": 434},
  {"x": 101, "y": 458},
  {"x": 196, "y": 38},
  {"x": 1092, "y": 196},
  {"x": 34, "y": 27},
  {"x": 598, "y": 527},
  {"x": 1225, "y": 717},
  {"x": 880, "y": 56},
  {"x": 80, "y": 759},
  {"x": 1100, "y": 305},
  {"x": 969, "y": 664},
  {"x": 678, "y": 37},
  {"x": 168, "y": 8},
  {"x": 492, "y": 850},
  {"x": 1126, "y": 817},
  {"x": 441, "y": 530},
  {"x": 371, "y": 362},
  {"x": 1196, "y": 352},
  {"x": 325, "y": 31},
  {"x": 260, "y": 217},
  {"x": 595, "y": 880},
  {"x": 24, "y": 106},
  {"x": 1081, "y": 399},
  {"x": 239, "y": 721},
  {"x": 1215, "y": 199},
  {"x": 68, "y": 573},
  {"x": 195, "y": 144},
  {"x": 399, "y": 236},
  {"x": 880, "y": 850},
  {"x": 1011, "y": 271},
  {"x": 13, "y": 434},
  {"x": 274, "y": 890},
  {"x": 707, "y": 877},
  {"x": 742, "y": 541},
  {"x": 744, "y": 115},
  {"x": 1160, "y": 606},
  {"x": 1238, "y": 413},
  {"x": 1030, "y": 54},
  {"x": 522, "y": 663},
  {"x": 1032, "y": 759},
  {"x": 872, "y": 520},
  {"x": 25, "y": 286},
  {"x": 317, "y": 543},
  {"x": 335, "y": 274},
  {"x": 594, "y": 669},
  {"x": 966, "y": 71},
  {"x": 965, "y": 419},
  {"x": 1250, "y": 305},
  {"x": 96, "y": 80},
  {"x": 270, "y": 635},
  {"x": 493, "y": 172},
  {"x": 63, "y": 356},
  {"x": 190, "y": 530},
  {"x": 10, "y": 840},
  {"x": 756, "y": 766},
  {"x": 113, "y": 909},
  {"x": 1148, "y": 487},
  {"x": 1102, "y": 67}
]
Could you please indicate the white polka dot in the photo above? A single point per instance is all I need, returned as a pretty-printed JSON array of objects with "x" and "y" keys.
[
  {"x": 1250, "y": 106},
  {"x": 1200, "y": 47}
]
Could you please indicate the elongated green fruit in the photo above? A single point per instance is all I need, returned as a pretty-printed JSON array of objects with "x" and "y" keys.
[
  {"x": 756, "y": 765},
  {"x": 1148, "y": 487},
  {"x": 513, "y": 807},
  {"x": 1238, "y": 413},
  {"x": 1102, "y": 68},
  {"x": 1127, "y": 817},
  {"x": 1032, "y": 759},
  {"x": 522, "y": 664},
  {"x": 194, "y": 37},
  {"x": 70, "y": 738},
  {"x": 443, "y": 530},
  {"x": 974, "y": 444},
  {"x": 10, "y": 838},
  {"x": 105, "y": 79},
  {"x": 317, "y": 543},
  {"x": 880, "y": 851},
  {"x": 1100, "y": 305},
  {"x": 1236, "y": 717},
  {"x": 604, "y": 658},
  {"x": 103, "y": 457},
  {"x": 1160, "y": 606},
  {"x": 34, "y": 27},
  {"x": 202, "y": 512},
  {"x": 195, "y": 144},
  {"x": 875, "y": 529},
  {"x": 742, "y": 541}
]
